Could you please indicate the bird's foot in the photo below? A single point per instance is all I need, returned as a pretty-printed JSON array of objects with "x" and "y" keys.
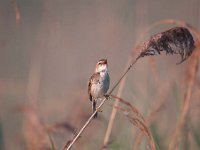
[
  {"x": 107, "y": 96},
  {"x": 99, "y": 110}
]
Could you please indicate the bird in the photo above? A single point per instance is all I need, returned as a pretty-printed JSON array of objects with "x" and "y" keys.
[{"x": 98, "y": 83}]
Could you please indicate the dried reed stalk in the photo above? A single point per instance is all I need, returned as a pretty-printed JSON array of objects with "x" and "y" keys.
[
  {"x": 159, "y": 105},
  {"x": 114, "y": 110},
  {"x": 165, "y": 41},
  {"x": 192, "y": 70},
  {"x": 68, "y": 144},
  {"x": 136, "y": 118},
  {"x": 169, "y": 41},
  {"x": 194, "y": 63}
]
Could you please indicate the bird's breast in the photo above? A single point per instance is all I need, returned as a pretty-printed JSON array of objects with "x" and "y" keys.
[{"x": 100, "y": 88}]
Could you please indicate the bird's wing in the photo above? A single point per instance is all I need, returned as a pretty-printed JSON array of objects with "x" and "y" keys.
[
  {"x": 89, "y": 87},
  {"x": 94, "y": 79}
]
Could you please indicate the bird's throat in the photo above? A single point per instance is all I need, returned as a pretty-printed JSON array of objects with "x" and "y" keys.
[{"x": 103, "y": 73}]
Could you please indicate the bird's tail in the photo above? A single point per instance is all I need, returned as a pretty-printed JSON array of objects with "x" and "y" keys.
[{"x": 94, "y": 108}]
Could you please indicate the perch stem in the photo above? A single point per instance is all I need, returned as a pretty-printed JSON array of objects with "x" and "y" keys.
[
  {"x": 91, "y": 117},
  {"x": 127, "y": 70},
  {"x": 85, "y": 125}
]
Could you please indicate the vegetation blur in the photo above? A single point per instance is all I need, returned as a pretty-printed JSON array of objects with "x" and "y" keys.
[{"x": 49, "y": 49}]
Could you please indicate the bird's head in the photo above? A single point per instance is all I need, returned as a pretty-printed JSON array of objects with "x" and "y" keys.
[{"x": 101, "y": 66}]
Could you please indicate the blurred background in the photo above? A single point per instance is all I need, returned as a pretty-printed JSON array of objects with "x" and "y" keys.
[{"x": 48, "y": 50}]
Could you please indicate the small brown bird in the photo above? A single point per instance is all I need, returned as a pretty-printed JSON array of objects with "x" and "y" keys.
[{"x": 98, "y": 83}]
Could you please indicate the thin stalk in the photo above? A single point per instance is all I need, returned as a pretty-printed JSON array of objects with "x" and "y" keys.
[{"x": 98, "y": 108}]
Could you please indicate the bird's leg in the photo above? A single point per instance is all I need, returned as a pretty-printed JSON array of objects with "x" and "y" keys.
[
  {"x": 107, "y": 96},
  {"x": 99, "y": 110}
]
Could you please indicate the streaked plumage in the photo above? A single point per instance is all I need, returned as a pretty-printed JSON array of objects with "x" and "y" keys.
[{"x": 98, "y": 83}]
